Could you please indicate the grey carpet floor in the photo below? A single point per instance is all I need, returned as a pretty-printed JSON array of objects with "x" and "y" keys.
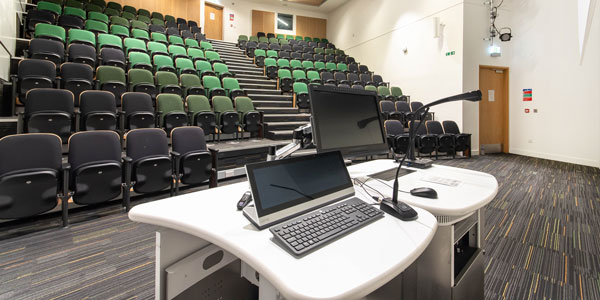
[{"x": 540, "y": 239}]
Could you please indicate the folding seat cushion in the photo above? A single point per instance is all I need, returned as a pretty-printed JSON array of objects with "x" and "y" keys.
[
  {"x": 232, "y": 88},
  {"x": 112, "y": 57},
  {"x": 213, "y": 56},
  {"x": 93, "y": 7},
  {"x": 371, "y": 88},
  {"x": 137, "y": 111},
  {"x": 201, "y": 114},
  {"x": 353, "y": 79},
  {"x": 49, "y": 111},
  {"x": 227, "y": 117},
  {"x": 241, "y": 41},
  {"x": 397, "y": 139},
  {"x": 163, "y": 63},
  {"x": 52, "y": 32},
  {"x": 128, "y": 16},
  {"x": 35, "y": 17},
  {"x": 204, "y": 68},
  {"x": 140, "y": 60},
  {"x": 193, "y": 161},
  {"x": 191, "y": 43},
  {"x": 177, "y": 52},
  {"x": 34, "y": 73},
  {"x": 404, "y": 108},
  {"x": 150, "y": 163},
  {"x": 250, "y": 47},
  {"x": 445, "y": 141},
  {"x": 76, "y": 78},
  {"x": 185, "y": 66},
  {"x": 141, "y": 80},
  {"x": 384, "y": 93},
  {"x": 96, "y": 27},
  {"x": 301, "y": 98},
  {"x": 120, "y": 31},
  {"x": 98, "y": 111},
  {"x": 112, "y": 79},
  {"x": 50, "y": 7},
  {"x": 176, "y": 40},
  {"x": 50, "y": 50},
  {"x": 134, "y": 45},
  {"x": 212, "y": 86},
  {"x": 109, "y": 40},
  {"x": 462, "y": 141},
  {"x": 159, "y": 37},
  {"x": 250, "y": 118},
  {"x": 167, "y": 82},
  {"x": 424, "y": 143},
  {"x": 285, "y": 80},
  {"x": 221, "y": 70},
  {"x": 195, "y": 54},
  {"x": 358, "y": 87},
  {"x": 156, "y": 48},
  {"x": 313, "y": 77},
  {"x": 81, "y": 53},
  {"x": 388, "y": 109},
  {"x": 171, "y": 111},
  {"x": 191, "y": 85},
  {"x": 75, "y": 12},
  {"x": 140, "y": 34},
  {"x": 259, "y": 57},
  {"x": 98, "y": 16},
  {"x": 30, "y": 181},
  {"x": 132, "y": 10},
  {"x": 270, "y": 69},
  {"x": 81, "y": 37}
]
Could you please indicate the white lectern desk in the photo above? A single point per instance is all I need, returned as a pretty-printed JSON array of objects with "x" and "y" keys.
[
  {"x": 202, "y": 233},
  {"x": 455, "y": 253}
]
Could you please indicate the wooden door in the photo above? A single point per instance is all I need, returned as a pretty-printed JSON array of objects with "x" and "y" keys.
[
  {"x": 263, "y": 21},
  {"x": 213, "y": 21},
  {"x": 493, "y": 109}
]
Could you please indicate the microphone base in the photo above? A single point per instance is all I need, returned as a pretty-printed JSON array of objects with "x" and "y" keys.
[{"x": 418, "y": 163}]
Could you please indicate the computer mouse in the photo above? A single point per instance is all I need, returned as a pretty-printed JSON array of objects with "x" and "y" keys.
[
  {"x": 399, "y": 210},
  {"x": 424, "y": 192}
]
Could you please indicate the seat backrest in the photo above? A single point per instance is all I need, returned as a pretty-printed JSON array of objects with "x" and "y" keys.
[
  {"x": 163, "y": 60},
  {"x": 299, "y": 74},
  {"x": 157, "y": 47},
  {"x": 94, "y": 146},
  {"x": 202, "y": 65},
  {"x": 76, "y": 71},
  {"x": 43, "y": 30},
  {"x": 115, "y": 20},
  {"x": 167, "y": 103},
  {"x": 156, "y": 28},
  {"x": 339, "y": 76},
  {"x": 396, "y": 91},
  {"x": 131, "y": 43},
  {"x": 80, "y": 51},
  {"x": 189, "y": 80},
  {"x": 307, "y": 64},
  {"x": 386, "y": 106},
  {"x": 210, "y": 82},
  {"x": 222, "y": 104},
  {"x": 434, "y": 127},
  {"x": 326, "y": 75},
  {"x": 414, "y": 105},
  {"x": 35, "y": 151},
  {"x": 112, "y": 54},
  {"x": 139, "y": 58},
  {"x": 230, "y": 83},
  {"x": 136, "y": 76},
  {"x": 358, "y": 87},
  {"x": 40, "y": 47},
  {"x": 110, "y": 73},
  {"x": 450, "y": 127},
  {"x": 166, "y": 78},
  {"x": 80, "y": 35},
  {"x": 383, "y": 91},
  {"x": 175, "y": 40},
  {"x": 195, "y": 53},
  {"x": 184, "y": 63},
  {"x": 132, "y": 102},
  {"x": 109, "y": 39},
  {"x": 421, "y": 129},
  {"x": 371, "y": 88},
  {"x": 365, "y": 78},
  {"x": 270, "y": 62},
  {"x": 244, "y": 105},
  {"x": 300, "y": 87},
  {"x": 212, "y": 55},
  {"x": 282, "y": 62},
  {"x": 377, "y": 78},
  {"x": 197, "y": 103},
  {"x": 352, "y": 77},
  {"x": 93, "y": 101},
  {"x": 283, "y": 73},
  {"x": 39, "y": 100},
  {"x": 146, "y": 142},
  {"x": 220, "y": 68},
  {"x": 313, "y": 75},
  {"x": 157, "y": 15},
  {"x": 402, "y": 106},
  {"x": 393, "y": 127}
]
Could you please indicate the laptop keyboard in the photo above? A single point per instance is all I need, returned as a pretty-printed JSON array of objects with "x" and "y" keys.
[{"x": 309, "y": 232}]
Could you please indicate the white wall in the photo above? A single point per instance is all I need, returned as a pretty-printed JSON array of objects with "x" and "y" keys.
[
  {"x": 242, "y": 11},
  {"x": 545, "y": 57},
  {"x": 8, "y": 30},
  {"x": 376, "y": 34}
]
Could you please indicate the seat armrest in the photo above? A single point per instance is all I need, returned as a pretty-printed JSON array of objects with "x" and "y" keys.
[
  {"x": 65, "y": 194},
  {"x": 176, "y": 156},
  {"x": 214, "y": 153}
]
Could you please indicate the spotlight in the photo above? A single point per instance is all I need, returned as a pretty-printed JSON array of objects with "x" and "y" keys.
[{"x": 506, "y": 36}]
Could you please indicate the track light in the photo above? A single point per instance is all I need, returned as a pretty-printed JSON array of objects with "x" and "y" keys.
[{"x": 505, "y": 36}]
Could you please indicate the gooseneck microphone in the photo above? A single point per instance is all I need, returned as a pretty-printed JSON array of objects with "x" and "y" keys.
[{"x": 469, "y": 96}]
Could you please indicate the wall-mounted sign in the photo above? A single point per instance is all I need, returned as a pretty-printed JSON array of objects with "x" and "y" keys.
[
  {"x": 491, "y": 95},
  {"x": 231, "y": 16},
  {"x": 527, "y": 94},
  {"x": 211, "y": 16}
]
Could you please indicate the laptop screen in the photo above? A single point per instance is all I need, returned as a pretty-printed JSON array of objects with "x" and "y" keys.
[{"x": 281, "y": 184}]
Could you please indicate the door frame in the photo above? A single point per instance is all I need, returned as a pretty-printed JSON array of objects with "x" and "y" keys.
[
  {"x": 505, "y": 112},
  {"x": 222, "y": 17}
]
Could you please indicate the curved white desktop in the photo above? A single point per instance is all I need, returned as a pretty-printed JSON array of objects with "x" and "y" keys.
[{"x": 349, "y": 268}]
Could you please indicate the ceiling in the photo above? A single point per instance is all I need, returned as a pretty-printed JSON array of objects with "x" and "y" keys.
[{"x": 323, "y": 6}]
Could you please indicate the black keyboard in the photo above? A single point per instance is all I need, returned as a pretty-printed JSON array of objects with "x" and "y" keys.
[{"x": 309, "y": 232}]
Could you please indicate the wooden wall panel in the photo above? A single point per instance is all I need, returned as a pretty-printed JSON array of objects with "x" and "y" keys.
[
  {"x": 263, "y": 21},
  {"x": 311, "y": 27},
  {"x": 187, "y": 9}
]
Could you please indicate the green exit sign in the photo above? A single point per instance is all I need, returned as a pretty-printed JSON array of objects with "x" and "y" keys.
[{"x": 450, "y": 53}]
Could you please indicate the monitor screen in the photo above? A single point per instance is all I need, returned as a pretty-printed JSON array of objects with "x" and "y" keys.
[
  {"x": 347, "y": 120},
  {"x": 281, "y": 184}
]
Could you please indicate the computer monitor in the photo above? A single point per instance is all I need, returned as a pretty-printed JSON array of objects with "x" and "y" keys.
[{"x": 347, "y": 120}]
